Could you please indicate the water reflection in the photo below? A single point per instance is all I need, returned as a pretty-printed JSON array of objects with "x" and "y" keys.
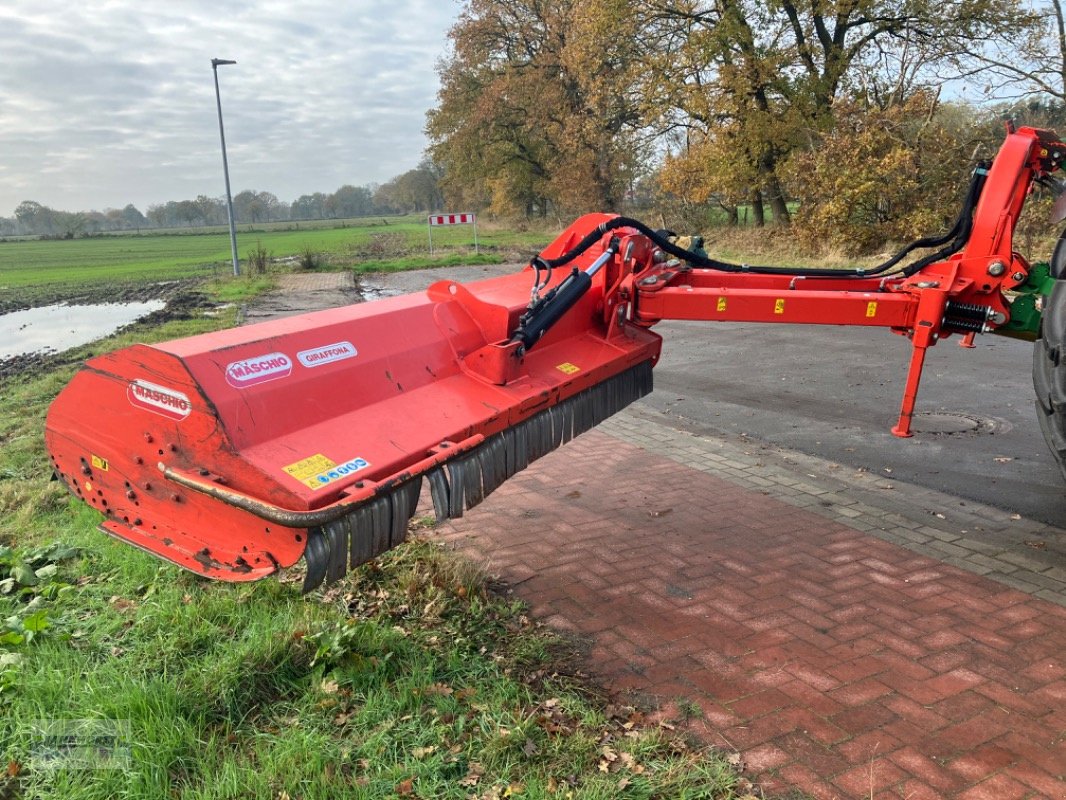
[{"x": 59, "y": 327}]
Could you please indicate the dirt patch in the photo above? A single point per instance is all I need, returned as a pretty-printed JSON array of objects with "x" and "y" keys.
[
  {"x": 184, "y": 304},
  {"x": 302, "y": 293},
  {"x": 18, "y": 300}
]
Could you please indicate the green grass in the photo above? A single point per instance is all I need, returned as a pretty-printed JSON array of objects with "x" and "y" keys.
[
  {"x": 409, "y": 679},
  {"x": 157, "y": 256},
  {"x": 243, "y": 289},
  {"x": 428, "y": 262}
]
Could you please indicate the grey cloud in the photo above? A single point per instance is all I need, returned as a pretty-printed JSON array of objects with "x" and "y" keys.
[{"x": 103, "y": 106}]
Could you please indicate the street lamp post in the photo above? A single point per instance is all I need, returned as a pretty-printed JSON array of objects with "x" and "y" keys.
[{"x": 215, "y": 64}]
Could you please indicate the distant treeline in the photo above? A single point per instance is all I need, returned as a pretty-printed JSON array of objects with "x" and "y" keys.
[{"x": 414, "y": 190}]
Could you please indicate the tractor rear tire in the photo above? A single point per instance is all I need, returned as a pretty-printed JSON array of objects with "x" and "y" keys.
[
  {"x": 1057, "y": 267},
  {"x": 1049, "y": 374}
]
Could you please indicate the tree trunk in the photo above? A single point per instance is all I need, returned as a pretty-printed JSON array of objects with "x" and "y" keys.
[
  {"x": 758, "y": 212},
  {"x": 778, "y": 206},
  {"x": 774, "y": 193}
]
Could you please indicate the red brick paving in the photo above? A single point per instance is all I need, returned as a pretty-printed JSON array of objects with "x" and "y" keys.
[{"x": 834, "y": 662}]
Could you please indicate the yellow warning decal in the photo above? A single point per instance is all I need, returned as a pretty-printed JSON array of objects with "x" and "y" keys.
[
  {"x": 99, "y": 463},
  {"x": 308, "y": 470},
  {"x": 871, "y": 309},
  {"x": 568, "y": 368},
  {"x": 721, "y": 304},
  {"x": 779, "y": 306}
]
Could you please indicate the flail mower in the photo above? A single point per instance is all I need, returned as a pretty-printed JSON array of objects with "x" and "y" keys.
[{"x": 235, "y": 453}]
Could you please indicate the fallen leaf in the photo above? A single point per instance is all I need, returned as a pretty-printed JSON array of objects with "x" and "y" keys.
[
  {"x": 623, "y": 783},
  {"x": 470, "y": 780},
  {"x": 405, "y": 787},
  {"x": 329, "y": 686},
  {"x": 122, "y": 604},
  {"x": 529, "y": 748},
  {"x": 13, "y": 769},
  {"x": 1036, "y": 545},
  {"x": 437, "y": 689},
  {"x": 422, "y": 752}
]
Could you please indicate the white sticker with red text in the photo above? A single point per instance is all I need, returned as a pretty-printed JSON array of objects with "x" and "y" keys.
[
  {"x": 260, "y": 369},
  {"x": 159, "y": 399},
  {"x": 327, "y": 354}
]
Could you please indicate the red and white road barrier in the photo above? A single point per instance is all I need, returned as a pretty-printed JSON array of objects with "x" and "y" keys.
[
  {"x": 464, "y": 218},
  {"x": 452, "y": 219}
]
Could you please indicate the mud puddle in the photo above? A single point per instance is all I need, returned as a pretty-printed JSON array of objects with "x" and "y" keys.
[
  {"x": 48, "y": 336},
  {"x": 55, "y": 328}
]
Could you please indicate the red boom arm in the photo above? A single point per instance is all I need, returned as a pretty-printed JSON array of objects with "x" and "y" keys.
[{"x": 962, "y": 294}]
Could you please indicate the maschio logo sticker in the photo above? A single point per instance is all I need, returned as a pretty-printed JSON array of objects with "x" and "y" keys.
[
  {"x": 327, "y": 354},
  {"x": 251, "y": 371},
  {"x": 159, "y": 399}
]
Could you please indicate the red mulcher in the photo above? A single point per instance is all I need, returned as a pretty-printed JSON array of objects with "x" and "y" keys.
[{"x": 235, "y": 453}]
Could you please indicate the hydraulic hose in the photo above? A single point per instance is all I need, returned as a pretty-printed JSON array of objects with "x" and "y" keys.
[
  {"x": 550, "y": 309},
  {"x": 955, "y": 239}
]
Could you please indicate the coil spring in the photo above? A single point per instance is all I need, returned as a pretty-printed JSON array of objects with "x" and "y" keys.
[{"x": 965, "y": 317}]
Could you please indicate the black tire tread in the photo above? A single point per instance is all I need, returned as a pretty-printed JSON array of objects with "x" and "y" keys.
[
  {"x": 1049, "y": 374},
  {"x": 1058, "y": 258}
]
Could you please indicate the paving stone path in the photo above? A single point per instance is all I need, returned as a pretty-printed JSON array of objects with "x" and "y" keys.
[{"x": 849, "y": 635}]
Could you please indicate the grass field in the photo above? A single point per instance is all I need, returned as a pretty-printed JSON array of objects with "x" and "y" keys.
[
  {"x": 411, "y": 679},
  {"x": 166, "y": 256}
]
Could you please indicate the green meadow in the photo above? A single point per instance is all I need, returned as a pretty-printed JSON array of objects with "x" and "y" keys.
[{"x": 366, "y": 244}]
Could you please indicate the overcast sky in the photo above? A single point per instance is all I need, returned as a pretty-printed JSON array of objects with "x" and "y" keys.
[{"x": 112, "y": 102}]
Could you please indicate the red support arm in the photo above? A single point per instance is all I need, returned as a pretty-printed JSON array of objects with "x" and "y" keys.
[{"x": 963, "y": 294}]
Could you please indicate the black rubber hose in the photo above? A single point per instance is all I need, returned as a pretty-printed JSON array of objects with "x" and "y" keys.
[{"x": 957, "y": 236}]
